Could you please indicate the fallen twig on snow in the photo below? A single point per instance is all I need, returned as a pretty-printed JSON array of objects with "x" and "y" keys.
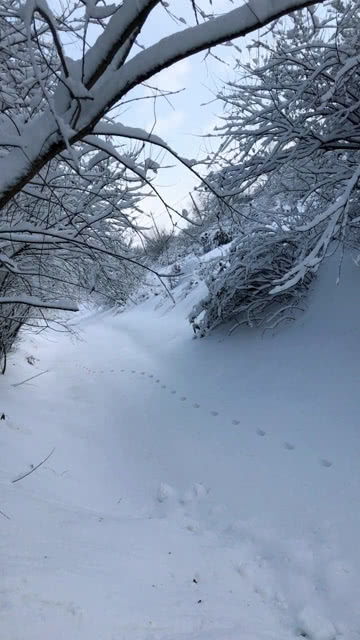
[
  {"x": 32, "y": 377},
  {"x": 4, "y": 514},
  {"x": 34, "y": 468}
]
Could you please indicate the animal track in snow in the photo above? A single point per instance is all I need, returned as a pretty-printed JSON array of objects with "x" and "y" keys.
[
  {"x": 165, "y": 492},
  {"x": 325, "y": 462},
  {"x": 260, "y": 432},
  {"x": 311, "y": 624},
  {"x": 289, "y": 446}
]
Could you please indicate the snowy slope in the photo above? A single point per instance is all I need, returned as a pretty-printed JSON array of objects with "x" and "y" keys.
[{"x": 203, "y": 489}]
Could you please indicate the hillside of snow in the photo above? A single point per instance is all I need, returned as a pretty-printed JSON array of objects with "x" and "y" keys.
[{"x": 198, "y": 489}]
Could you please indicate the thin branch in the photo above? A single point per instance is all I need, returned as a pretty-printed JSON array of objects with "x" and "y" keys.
[
  {"x": 24, "y": 475},
  {"x": 32, "y": 378}
]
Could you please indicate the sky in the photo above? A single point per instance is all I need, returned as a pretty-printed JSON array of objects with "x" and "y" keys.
[
  {"x": 187, "y": 117},
  {"x": 184, "y": 119}
]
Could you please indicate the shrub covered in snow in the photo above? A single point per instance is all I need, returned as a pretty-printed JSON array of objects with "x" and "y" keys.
[
  {"x": 242, "y": 287},
  {"x": 13, "y": 318},
  {"x": 157, "y": 243},
  {"x": 215, "y": 238}
]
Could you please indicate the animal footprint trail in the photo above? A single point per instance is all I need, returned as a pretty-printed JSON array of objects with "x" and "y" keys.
[{"x": 288, "y": 446}]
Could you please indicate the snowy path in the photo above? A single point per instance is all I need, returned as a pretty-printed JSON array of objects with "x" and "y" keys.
[{"x": 198, "y": 489}]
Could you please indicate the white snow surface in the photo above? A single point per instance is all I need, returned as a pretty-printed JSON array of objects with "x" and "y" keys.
[{"x": 199, "y": 489}]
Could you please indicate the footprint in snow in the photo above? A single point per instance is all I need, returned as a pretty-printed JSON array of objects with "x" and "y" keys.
[
  {"x": 151, "y": 375},
  {"x": 163, "y": 386},
  {"x": 313, "y": 626},
  {"x": 236, "y": 422},
  {"x": 326, "y": 463},
  {"x": 289, "y": 446},
  {"x": 143, "y": 373},
  {"x": 157, "y": 380},
  {"x": 183, "y": 398},
  {"x": 173, "y": 391},
  {"x": 196, "y": 405},
  {"x": 260, "y": 432},
  {"x": 165, "y": 492},
  {"x": 214, "y": 413}
]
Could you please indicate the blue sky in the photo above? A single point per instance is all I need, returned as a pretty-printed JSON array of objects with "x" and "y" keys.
[{"x": 189, "y": 116}]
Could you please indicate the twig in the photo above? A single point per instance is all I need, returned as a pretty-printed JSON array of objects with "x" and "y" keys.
[
  {"x": 32, "y": 377},
  {"x": 34, "y": 468},
  {"x": 4, "y": 514}
]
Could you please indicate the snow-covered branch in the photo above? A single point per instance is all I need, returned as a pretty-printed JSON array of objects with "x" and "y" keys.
[{"x": 71, "y": 118}]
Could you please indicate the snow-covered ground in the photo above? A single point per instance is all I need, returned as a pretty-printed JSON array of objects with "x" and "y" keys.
[{"x": 199, "y": 489}]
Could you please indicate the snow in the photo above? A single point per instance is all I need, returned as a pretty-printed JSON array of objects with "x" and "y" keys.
[
  {"x": 201, "y": 489},
  {"x": 311, "y": 624}
]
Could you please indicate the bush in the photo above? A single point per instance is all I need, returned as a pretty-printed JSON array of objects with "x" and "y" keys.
[
  {"x": 157, "y": 243},
  {"x": 241, "y": 287},
  {"x": 214, "y": 238}
]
